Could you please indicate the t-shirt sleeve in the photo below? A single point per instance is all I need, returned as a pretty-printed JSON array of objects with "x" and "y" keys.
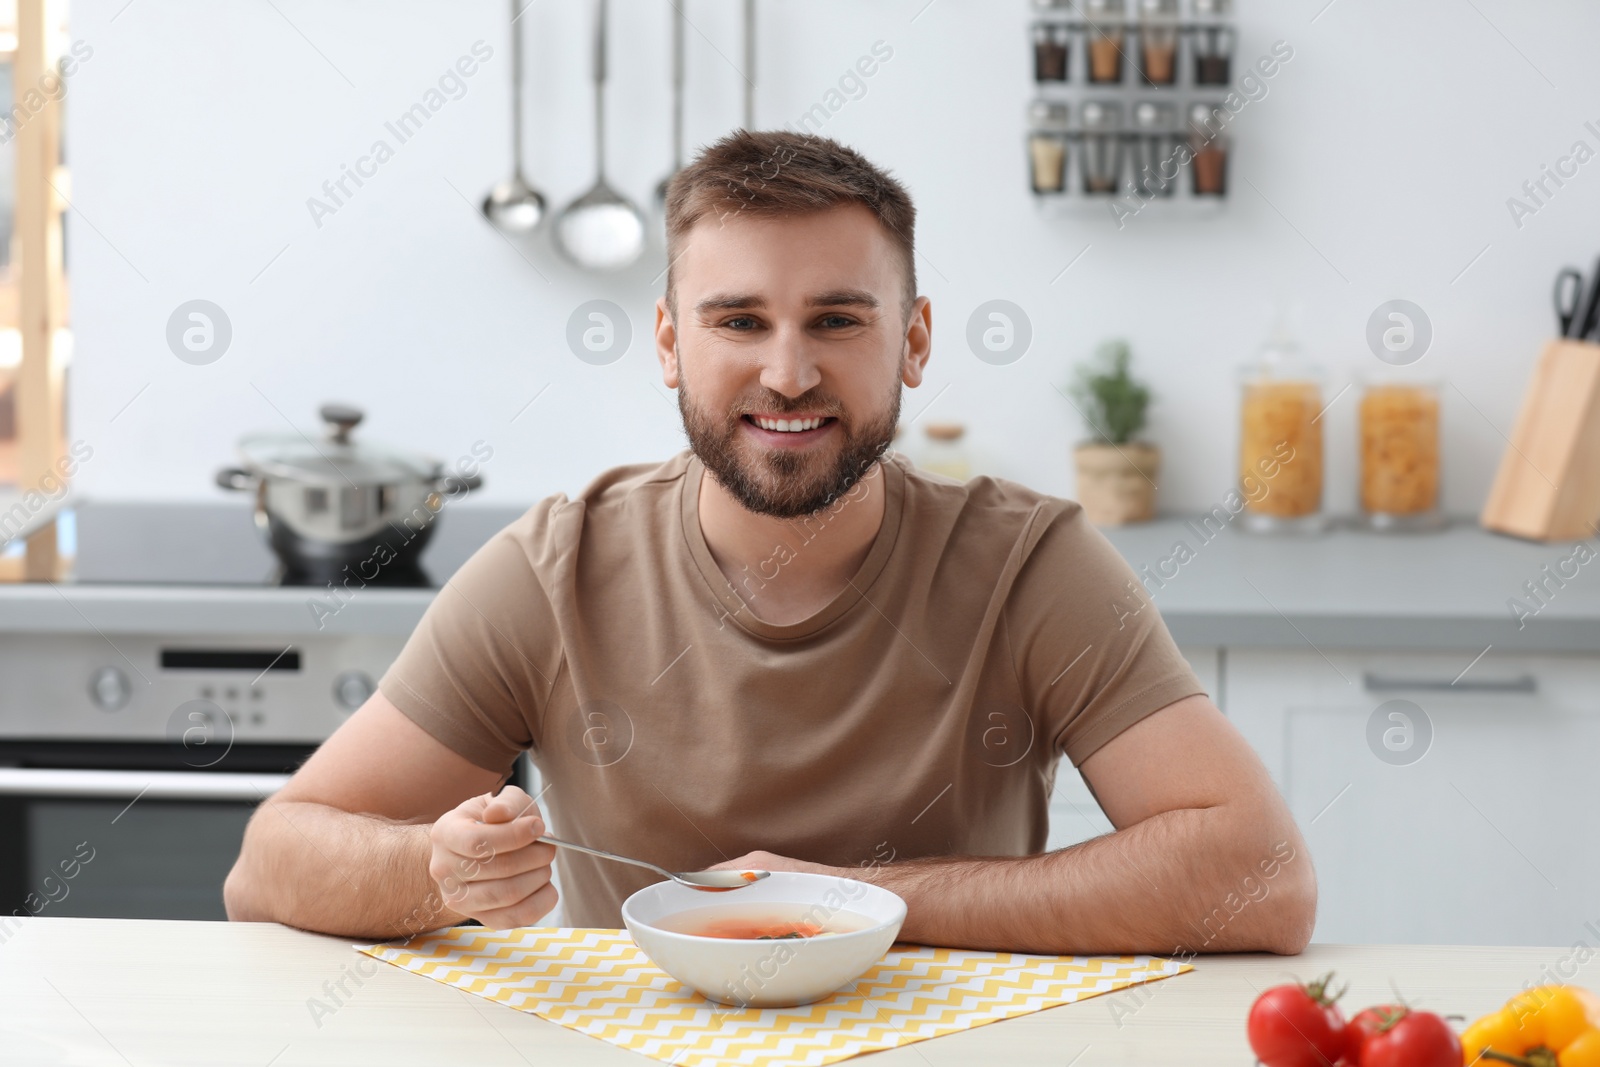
[
  {"x": 1092, "y": 654},
  {"x": 476, "y": 671}
]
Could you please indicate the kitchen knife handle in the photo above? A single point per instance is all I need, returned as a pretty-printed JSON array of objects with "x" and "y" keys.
[
  {"x": 1588, "y": 311},
  {"x": 1568, "y": 295}
]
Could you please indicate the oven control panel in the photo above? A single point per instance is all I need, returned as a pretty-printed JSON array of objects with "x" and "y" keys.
[{"x": 193, "y": 689}]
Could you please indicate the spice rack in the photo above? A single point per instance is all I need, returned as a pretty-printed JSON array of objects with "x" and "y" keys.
[{"x": 1129, "y": 110}]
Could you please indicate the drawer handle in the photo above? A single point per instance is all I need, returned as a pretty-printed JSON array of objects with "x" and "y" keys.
[
  {"x": 155, "y": 785},
  {"x": 1378, "y": 683}
]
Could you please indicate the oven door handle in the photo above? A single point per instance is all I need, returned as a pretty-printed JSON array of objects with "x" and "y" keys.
[{"x": 154, "y": 785}]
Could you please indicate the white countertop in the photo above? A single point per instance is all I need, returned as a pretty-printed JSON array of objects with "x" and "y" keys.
[
  {"x": 1352, "y": 588},
  {"x": 131, "y": 992}
]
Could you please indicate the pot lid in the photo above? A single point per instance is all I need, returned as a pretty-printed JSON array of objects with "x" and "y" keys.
[{"x": 334, "y": 459}]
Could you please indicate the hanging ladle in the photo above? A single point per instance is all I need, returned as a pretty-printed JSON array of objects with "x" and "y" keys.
[
  {"x": 602, "y": 229},
  {"x": 513, "y": 206}
]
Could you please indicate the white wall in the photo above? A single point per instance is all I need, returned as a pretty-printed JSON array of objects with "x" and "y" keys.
[{"x": 198, "y": 129}]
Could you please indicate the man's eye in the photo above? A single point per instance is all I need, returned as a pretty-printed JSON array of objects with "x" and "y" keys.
[
  {"x": 743, "y": 322},
  {"x": 837, "y": 321}
]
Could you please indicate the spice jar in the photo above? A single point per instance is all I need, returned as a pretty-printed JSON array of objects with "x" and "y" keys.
[
  {"x": 1280, "y": 440},
  {"x": 1047, "y": 146},
  {"x": 1102, "y": 148},
  {"x": 1400, "y": 454},
  {"x": 1154, "y": 146},
  {"x": 944, "y": 453},
  {"x": 1158, "y": 42},
  {"x": 1051, "y": 48},
  {"x": 1105, "y": 40},
  {"x": 1213, "y": 42},
  {"x": 1210, "y": 144}
]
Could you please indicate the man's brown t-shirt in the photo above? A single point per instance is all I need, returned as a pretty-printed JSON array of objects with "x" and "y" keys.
[{"x": 990, "y": 629}]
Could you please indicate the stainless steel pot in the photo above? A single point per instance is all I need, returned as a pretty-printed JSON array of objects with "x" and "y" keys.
[{"x": 326, "y": 505}]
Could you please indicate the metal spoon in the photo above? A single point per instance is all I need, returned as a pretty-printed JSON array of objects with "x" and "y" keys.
[
  {"x": 677, "y": 106},
  {"x": 711, "y": 881},
  {"x": 602, "y": 229},
  {"x": 514, "y": 206}
]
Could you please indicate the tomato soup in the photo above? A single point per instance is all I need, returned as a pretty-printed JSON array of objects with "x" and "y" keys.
[{"x": 764, "y": 922}]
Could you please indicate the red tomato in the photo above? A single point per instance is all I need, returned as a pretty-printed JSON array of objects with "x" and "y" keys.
[
  {"x": 1413, "y": 1039},
  {"x": 1364, "y": 1026},
  {"x": 1298, "y": 1026}
]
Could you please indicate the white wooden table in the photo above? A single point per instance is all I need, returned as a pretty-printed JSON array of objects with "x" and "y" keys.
[{"x": 126, "y": 992}]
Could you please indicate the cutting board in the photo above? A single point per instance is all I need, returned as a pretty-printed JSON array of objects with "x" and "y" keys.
[{"x": 1548, "y": 485}]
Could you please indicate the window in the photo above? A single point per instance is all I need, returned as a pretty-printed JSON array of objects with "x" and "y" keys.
[{"x": 34, "y": 341}]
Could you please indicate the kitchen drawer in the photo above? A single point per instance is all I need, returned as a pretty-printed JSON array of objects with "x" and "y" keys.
[
  {"x": 1074, "y": 814},
  {"x": 1439, "y": 806}
]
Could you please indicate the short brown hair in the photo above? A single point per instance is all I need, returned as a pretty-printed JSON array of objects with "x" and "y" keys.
[{"x": 776, "y": 172}]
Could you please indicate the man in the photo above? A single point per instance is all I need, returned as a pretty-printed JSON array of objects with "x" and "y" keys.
[{"x": 788, "y": 649}]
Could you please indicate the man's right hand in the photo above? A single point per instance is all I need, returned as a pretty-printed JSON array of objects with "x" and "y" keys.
[{"x": 488, "y": 865}]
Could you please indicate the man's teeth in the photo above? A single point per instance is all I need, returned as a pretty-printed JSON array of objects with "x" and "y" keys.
[{"x": 787, "y": 425}]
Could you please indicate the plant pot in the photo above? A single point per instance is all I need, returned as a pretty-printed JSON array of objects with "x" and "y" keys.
[{"x": 1117, "y": 483}]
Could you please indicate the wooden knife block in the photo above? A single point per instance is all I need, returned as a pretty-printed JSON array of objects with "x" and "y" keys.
[{"x": 1548, "y": 485}]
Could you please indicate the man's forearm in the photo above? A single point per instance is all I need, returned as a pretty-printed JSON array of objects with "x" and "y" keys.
[
  {"x": 319, "y": 868},
  {"x": 1185, "y": 881}
]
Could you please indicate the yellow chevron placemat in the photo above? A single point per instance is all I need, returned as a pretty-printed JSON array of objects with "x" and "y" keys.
[{"x": 597, "y": 982}]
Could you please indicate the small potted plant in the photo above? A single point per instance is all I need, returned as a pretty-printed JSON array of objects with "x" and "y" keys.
[{"x": 1116, "y": 471}]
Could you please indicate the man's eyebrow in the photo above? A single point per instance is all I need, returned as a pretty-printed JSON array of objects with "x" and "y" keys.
[
  {"x": 730, "y": 302},
  {"x": 859, "y": 298},
  {"x": 845, "y": 298}
]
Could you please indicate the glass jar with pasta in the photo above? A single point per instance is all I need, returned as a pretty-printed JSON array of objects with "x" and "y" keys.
[
  {"x": 1400, "y": 454},
  {"x": 1280, "y": 442}
]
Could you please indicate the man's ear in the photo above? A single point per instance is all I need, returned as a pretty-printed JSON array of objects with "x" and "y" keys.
[
  {"x": 666, "y": 344},
  {"x": 918, "y": 342}
]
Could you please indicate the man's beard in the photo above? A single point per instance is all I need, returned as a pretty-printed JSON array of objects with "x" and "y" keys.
[{"x": 783, "y": 483}]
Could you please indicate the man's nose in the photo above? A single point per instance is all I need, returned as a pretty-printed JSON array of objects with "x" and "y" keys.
[{"x": 787, "y": 367}]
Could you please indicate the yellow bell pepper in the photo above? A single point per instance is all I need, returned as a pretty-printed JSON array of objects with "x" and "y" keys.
[{"x": 1551, "y": 1026}]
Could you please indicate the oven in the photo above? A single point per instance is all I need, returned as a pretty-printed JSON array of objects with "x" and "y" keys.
[
  {"x": 130, "y": 762},
  {"x": 150, "y": 703}
]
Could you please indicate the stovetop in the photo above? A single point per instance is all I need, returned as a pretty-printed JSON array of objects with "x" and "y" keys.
[{"x": 199, "y": 544}]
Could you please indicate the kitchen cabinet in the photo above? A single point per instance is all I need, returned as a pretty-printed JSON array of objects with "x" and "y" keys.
[
  {"x": 1074, "y": 814},
  {"x": 1441, "y": 804}
]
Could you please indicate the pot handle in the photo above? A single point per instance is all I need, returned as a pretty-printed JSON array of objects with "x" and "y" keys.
[
  {"x": 340, "y": 420},
  {"x": 459, "y": 483},
  {"x": 235, "y": 478}
]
